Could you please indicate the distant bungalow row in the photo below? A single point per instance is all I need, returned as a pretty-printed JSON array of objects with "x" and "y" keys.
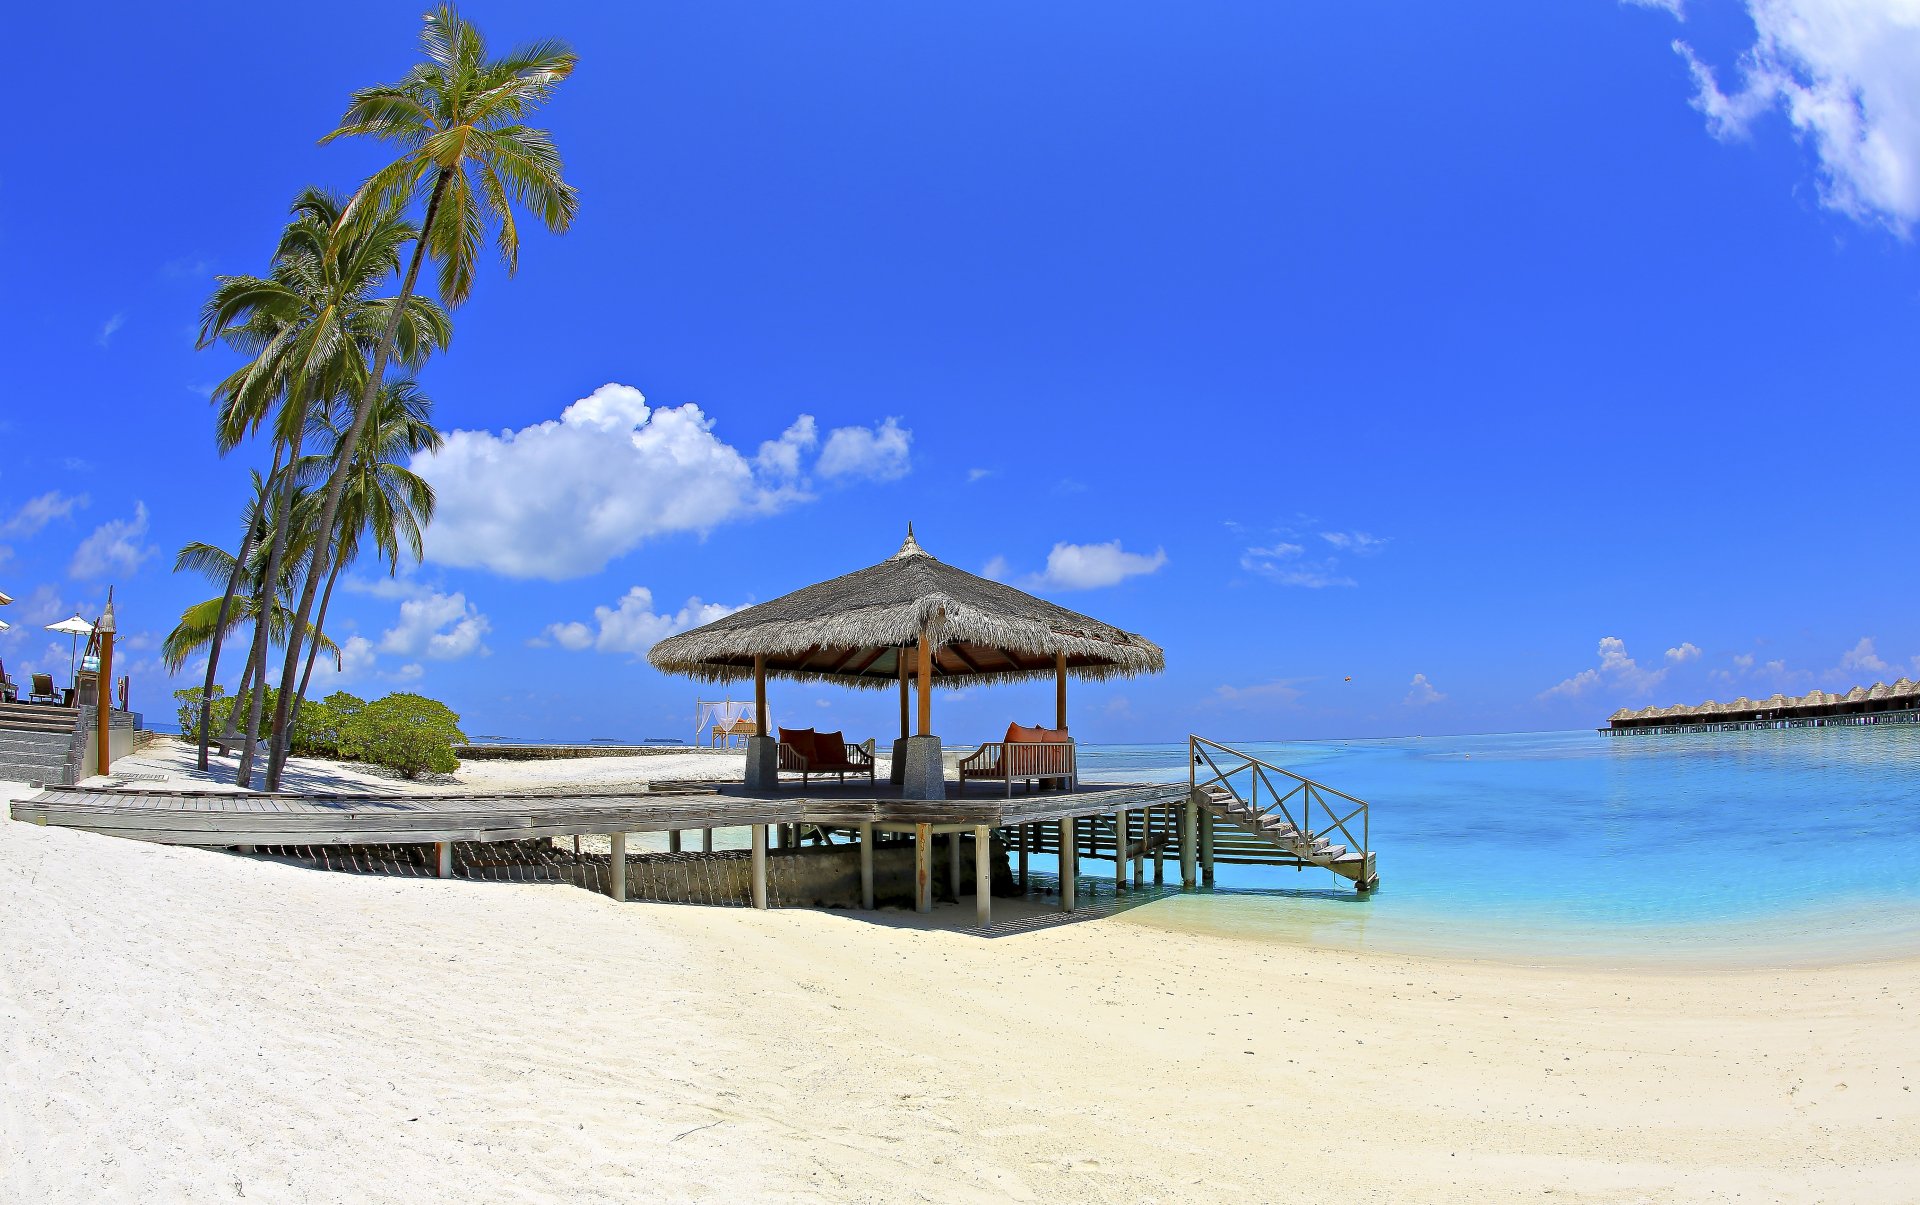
[{"x": 1876, "y": 704}]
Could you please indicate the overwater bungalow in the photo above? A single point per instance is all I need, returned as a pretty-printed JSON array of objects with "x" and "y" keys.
[{"x": 1877, "y": 704}]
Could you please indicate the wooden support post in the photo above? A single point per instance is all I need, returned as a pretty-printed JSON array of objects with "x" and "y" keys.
[
  {"x": 706, "y": 840},
  {"x": 1060, "y": 691},
  {"x": 953, "y": 865},
  {"x": 926, "y": 685},
  {"x": 760, "y": 694},
  {"x": 1163, "y": 825},
  {"x": 443, "y": 858},
  {"x": 1140, "y": 851},
  {"x": 982, "y": 874},
  {"x": 617, "y": 867},
  {"x": 1026, "y": 840},
  {"x": 866, "y": 865},
  {"x": 103, "y": 693},
  {"x": 760, "y": 866},
  {"x": 576, "y": 845},
  {"x": 1206, "y": 848},
  {"x": 1066, "y": 863},
  {"x": 1189, "y": 838},
  {"x": 1119, "y": 849},
  {"x": 923, "y": 868},
  {"x": 673, "y": 840},
  {"x": 905, "y": 729}
]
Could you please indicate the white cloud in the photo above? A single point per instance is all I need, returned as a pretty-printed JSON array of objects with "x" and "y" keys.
[
  {"x": 1354, "y": 541},
  {"x": 780, "y": 458},
  {"x": 1616, "y": 671},
  {"x": 1423, "y": 693},
  {"x": 878, "y": 454},
  {"x": 1283, "y": 691},
  {"x": 1284, "y": 563},
  {"x": 445, "y": 627},
  {"x": 1090, "y": 566},
  {"x": 1862, "y": 658},
  {"x": 356, "y": 661},
  {"x": 562, "y": 498},
  {"x": 1843, "y": 72},
  {"x": 632, "y": 626},
  {"x": 997, "y": 569},
  {"x": 1676, "y": 7},
  {"x": 36, "y": 513},
  {"x": 114, "y": 545},
  {"x": 974, "y": 475},
  {"x": 1743, "y": 661},
  {"x": 109, "y": 328},
  {"x": 1687, "y": 651}
]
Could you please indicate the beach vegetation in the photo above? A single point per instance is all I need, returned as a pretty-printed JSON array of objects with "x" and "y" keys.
[{"x": 407, "y": 733}]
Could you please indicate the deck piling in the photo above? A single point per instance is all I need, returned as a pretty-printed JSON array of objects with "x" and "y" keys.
[
  {"x": 760, "y": 866},
  {"x": 982, "y": 874},
  {"x": 617, "y": 866},
  {"x": 923, "y": 868},
  {"x": 866, "y": 866},
  {"x": 443, "y": 858},
  {"x": 1068, "y": 858}
]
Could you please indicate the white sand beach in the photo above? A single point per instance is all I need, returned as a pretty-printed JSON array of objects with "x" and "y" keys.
[{"x": 184, "y": 1024}]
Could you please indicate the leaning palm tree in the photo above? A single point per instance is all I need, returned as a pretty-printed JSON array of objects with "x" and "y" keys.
[
  {"x": 458, "y": 119},
  {"x": 310, "y": 325},
  {"x": 255, "y": 520},
  {"x": 384, "y": 500}
]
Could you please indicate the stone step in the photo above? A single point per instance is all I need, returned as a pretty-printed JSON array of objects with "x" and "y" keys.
[
  {"x": 12, "y": 772},
  {"x": 55, "y": 754},
  {"x": 35, "y": 726}
]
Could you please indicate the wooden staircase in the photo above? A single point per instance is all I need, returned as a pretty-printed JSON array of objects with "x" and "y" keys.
[{"x": 1284, "y": 811}]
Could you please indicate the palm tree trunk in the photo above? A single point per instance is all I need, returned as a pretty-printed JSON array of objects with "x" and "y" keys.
[
  {"x": 343, "y": 460},
  {"x": 220, "y": 623},
  {"x": 306, "y": 676},
  {"x": 282, "y": 523}
]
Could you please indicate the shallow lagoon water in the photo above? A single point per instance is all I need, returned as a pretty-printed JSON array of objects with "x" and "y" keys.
[{"x": 1765, "y": 847}]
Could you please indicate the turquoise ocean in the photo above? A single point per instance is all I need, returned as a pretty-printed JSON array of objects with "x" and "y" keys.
[{"x": 1760, "y": 848}]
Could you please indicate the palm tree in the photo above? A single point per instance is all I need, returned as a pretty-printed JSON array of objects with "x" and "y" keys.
[
  {"x": 310, "y": 325},
  {"x": 255, "y": 519},
  {"x": 384, "y": 499},
  {"x": 458, "y": 119}
]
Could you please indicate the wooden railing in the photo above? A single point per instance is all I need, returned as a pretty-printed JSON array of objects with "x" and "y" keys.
[{"x": 1298, "y": 805}]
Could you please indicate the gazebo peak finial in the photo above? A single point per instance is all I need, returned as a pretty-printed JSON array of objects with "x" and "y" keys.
[{"x": 910, "y": 548}]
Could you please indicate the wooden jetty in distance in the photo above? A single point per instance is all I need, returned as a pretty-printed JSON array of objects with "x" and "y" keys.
[{"x": 1863, "y": 705}]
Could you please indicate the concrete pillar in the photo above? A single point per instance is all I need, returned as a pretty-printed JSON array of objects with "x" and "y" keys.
[
  {"x": 1119, "y": 849},
  {"x": 923, "y": 771},
  {"x": 617, "y": 867},
  {"x": 673, "y": 841},
  {"x": 706, "y": 840},
  {"x": 1206, "y": 848},
  {"x": 982, "y": 874},
  {"x": 763, "y": 764},
  {"x": 1162, "y": 825},
  {"x": 953, "y": 865},
  {"x": 923, "y": 868},
  {"x": 759, "y": 865},
  {"x": 1025, "y": 832},
  {"x": 1189, "y": 839},
  {"x": 866, "y": 865},
  {"x": 443, "y": 857},
  {"x": 1067, "y": 868}
]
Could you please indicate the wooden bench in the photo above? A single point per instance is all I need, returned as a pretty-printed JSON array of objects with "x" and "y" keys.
[
  {"x": 1031, "y": 755},
  {"x": 808, "y": 753}
]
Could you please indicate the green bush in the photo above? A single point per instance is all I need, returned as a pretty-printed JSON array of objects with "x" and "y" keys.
[
  {"x": 405, "y": 732},
  {"x": 321, "y": 727},
  {"x": 189, "y": 715}
]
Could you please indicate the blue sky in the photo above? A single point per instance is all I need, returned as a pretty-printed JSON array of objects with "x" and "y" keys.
[{"x": 1517, "y": 362}]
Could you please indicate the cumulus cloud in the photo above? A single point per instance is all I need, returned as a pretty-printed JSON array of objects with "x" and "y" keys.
[
  {"x": 562, "y": 498},
  {"x": 878, "y": 454},
  {"x": 1286, "y": 564},
  {"x": 1676, "y": 7},
  {"x": 1090, "y": 566},
  {"x": 36, "y": 513},
  {"x": 997, "y": 569},
  {"x": 632, "y": 626},
  {"x": 1842, "y": 72},
  {"x": 114, "y": 545},
  {"x": 1688, "y": 651},
  {"x": 974, "y": 475},
  {"x": 444, "y": 627},
  {"x": 1423, "y": 693},
  {"x": 109, "y": 329},
  {"x": 1354, "y": 541},
  {"x": 1862, "y": 658},
  {"x": 1617, "y": 672}
]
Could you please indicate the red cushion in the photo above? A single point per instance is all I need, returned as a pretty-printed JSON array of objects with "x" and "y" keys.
[
  {"x": 829, "y": 749},
  {"x": 801, "y": 740}
]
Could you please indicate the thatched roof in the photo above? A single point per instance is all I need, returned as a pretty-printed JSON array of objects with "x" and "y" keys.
[{"x": 854, "y": 629}]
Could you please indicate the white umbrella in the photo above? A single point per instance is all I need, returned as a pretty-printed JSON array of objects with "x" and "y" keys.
[
  {"x": 5, "y": 598},
  {"x": 75, "y": 627}
]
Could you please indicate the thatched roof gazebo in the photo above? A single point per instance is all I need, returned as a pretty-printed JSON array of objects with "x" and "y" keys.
[{"x": 910, "y": 618}]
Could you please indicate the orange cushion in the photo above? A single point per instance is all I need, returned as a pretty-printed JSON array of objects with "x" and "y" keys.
[
  {"x": 829, "y": 749},
  {"x": 801, "y": 739}
]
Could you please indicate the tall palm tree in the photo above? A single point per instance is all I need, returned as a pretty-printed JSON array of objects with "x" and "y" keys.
[
  {"x": 255, "y": 520},
  {"x": 310, "y": 325},
  {"x": 384, "y": 500},
  {"x": 458, "y": 119}
]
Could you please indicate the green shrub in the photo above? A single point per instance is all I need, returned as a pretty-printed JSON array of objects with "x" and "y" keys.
[
  {"x": 189, "y": 715},
  {"x": 405, "y": 732},
  {"x": 320, "y": 728}
]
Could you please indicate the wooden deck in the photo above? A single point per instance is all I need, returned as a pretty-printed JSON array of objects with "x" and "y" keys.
[{"x": 221, "y": 818}]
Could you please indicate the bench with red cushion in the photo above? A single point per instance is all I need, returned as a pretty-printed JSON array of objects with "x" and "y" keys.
[
  {"x": 806, "y": 753},
  {"x": 1027, "y": 754}
]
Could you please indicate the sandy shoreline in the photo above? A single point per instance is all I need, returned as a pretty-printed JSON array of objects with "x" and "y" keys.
[{"x": 178, "y": 1023}]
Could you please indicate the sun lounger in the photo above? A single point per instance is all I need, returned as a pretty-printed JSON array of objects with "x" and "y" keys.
[
  {"x": 808, "y": 753},
  {"x": 42, "y": 690},
  {"x": 1028, "y": 754}
]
